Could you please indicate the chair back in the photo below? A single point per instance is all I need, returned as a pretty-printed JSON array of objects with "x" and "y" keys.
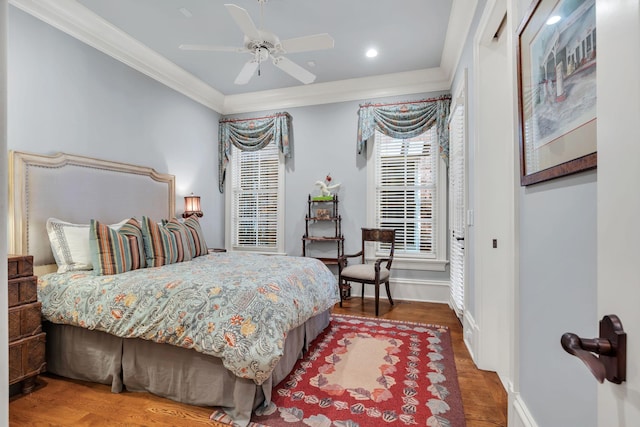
[{"x": 382, "y": 235}]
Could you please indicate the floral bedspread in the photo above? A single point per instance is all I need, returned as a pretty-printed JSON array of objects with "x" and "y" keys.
[{"x": 238, "y": 307}]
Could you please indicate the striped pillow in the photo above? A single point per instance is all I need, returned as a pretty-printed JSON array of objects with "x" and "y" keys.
[
  {"x": 181, "y": 230},
  {"x": 193, "y": 224},
  {"x": 162, "y": 245},
  {"x": 116, "y": 250}
]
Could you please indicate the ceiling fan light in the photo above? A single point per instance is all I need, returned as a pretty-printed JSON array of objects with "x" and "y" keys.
[
  {"x": 263, "y": 45},
  {"x": 553, "y": 20},
  {"x": 262, "y": 54}
]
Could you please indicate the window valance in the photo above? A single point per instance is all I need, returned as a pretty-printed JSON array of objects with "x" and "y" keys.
[
  {"x": 251, "y": 135},
  {"x": 405, "y": 120}
]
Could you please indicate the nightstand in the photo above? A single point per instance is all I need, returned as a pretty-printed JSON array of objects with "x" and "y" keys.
[{"x": 26, "y": 339}]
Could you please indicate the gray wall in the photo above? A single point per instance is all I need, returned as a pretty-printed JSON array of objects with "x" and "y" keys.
[
  {"x": 557, "y": 281},
  {"x": 325, "y": 142},
  {"x": 558, "y": 288},
  {"x": 66, "y": 96},
  {"x": 558, "y": 294}
]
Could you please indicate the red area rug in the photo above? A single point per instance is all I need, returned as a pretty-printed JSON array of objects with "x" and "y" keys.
[{"x": 369, "y": 372}]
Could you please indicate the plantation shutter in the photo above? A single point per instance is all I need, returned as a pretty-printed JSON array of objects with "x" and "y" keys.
[
  {"x": 457, "y": 221},
  {"x": 406, "y": 178},
  {"x": 254, "y": 211}
]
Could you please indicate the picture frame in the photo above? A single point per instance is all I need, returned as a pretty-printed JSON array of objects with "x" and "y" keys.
[
  {"x": 556, "y": 66},
  {"x": 322, "y": 213}
]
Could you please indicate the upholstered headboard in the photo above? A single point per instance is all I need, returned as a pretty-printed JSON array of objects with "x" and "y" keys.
[{"x": 76, "y": 189}]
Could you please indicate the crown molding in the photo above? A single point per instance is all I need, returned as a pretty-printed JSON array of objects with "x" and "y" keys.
[
  {"x": 420, "y": 81},
  {"x": 460, "y": 20},
  {"x": 78, "y": 21}
]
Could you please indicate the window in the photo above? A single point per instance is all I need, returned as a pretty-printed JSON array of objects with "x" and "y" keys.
[
  {"x": 406, "y": 192},
  {"x": 255, "y": 200}
]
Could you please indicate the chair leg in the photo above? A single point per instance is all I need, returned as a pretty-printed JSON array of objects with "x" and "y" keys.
[
  {"x": 362, "y": 293},
  {"x": 340, "y": 289},
  {"x": 386, "y": 284},
  {"x": 377, "y": 297}
]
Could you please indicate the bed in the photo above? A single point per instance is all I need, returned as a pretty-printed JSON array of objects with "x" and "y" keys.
[{"x": 221, "y": 329}]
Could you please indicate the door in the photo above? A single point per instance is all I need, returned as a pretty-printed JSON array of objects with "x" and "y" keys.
[
  {"x": 457, "y": 197},
  {"x": 618, "y": 68},
  {"x": 493, "y": 182}
]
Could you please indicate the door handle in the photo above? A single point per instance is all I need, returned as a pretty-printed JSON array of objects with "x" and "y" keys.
[{"x": 611, "y": 348}]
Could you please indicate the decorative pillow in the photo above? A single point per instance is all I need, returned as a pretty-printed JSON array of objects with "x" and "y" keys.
[
  {"x": 163, "y": 246},
  {"x": 177, "y": 227},
  {"x": 193, "y": 224},
  {"x": 133, "y": 230},
  {"x": 70, "y": 245},
  {"x": 115, "y": 251}
]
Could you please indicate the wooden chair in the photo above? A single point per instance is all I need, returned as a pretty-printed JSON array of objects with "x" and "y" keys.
[{"x": 372, "y": 274}]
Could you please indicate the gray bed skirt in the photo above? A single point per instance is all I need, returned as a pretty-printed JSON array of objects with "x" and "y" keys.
[{"x": 177, "y": 373}]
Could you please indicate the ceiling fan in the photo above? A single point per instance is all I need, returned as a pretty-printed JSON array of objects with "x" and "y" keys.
[{"x": 263, "y": 44}]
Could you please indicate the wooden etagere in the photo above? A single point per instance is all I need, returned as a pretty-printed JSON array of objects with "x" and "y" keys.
[{"x": 321, "y": 212}]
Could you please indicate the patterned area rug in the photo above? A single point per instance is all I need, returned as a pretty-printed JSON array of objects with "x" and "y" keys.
[{"x": 369, "y": 372}]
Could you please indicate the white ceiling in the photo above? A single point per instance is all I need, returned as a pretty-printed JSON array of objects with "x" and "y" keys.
[{"x": 419, "y": 44}]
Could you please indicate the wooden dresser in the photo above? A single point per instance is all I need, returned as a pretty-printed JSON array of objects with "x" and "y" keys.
[{"x": 26, "y": 339}]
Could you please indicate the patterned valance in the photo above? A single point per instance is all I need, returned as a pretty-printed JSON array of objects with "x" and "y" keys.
[
  {"x": 405, "y": 120},
  {"x": 252, "y": 135}
]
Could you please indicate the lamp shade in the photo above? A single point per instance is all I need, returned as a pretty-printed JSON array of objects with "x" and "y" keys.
[{"x": 192, "y": 206}]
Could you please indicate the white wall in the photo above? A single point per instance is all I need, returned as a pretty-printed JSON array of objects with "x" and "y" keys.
[
  {"x": 4, "y": 178},
  {"x": 66, "y": 96}
]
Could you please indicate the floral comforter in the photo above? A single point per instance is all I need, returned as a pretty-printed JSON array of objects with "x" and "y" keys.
[{"x": 238, "y": 307}]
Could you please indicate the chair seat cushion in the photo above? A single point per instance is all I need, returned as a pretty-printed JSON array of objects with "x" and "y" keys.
[{"x": 364, "y": 272}]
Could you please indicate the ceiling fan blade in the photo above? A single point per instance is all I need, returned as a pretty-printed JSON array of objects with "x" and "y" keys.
[
  {"x": 244, "y": 21},
  {"x": 212, "y": 48},
  {"x": 307, "y": 43},
  {"x": 247, "y": 72},
  {"x": 294, "y": 70}
]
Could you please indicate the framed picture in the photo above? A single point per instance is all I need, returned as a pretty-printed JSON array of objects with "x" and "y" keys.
[
  {"x": 556, "y": 54},
  {"x": 322, "y": 213}
]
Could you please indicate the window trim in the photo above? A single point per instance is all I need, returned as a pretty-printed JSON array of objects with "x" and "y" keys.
[
  {"x": 228, "y": 200},
  {"x": 408, "y": 262}
]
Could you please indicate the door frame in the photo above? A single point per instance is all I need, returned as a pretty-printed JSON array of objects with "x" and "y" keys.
[
  {"x": 618, "y": 103},
  {"x": 494, "y": 301}
]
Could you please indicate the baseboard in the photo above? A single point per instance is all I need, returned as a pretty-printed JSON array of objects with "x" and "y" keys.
[
  {"x": 470, "y": 334},
  {"x": 519, "y": 415},
  {"x": 411, "y": 290}
]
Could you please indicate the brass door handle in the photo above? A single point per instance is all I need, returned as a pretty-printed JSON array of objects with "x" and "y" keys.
[{"x": 611, "y": 348}]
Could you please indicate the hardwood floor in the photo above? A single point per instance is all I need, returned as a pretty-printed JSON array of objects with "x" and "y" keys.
[
  {"x": 483, "y": 397},
  {"x": 62, "y": 402}
]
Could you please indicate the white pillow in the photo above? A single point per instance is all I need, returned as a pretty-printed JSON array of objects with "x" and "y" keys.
[{"x": 70, "y": 244}]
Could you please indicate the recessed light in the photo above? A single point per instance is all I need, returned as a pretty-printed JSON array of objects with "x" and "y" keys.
[
  {"x": 372, "y": 53},
  {"x": 554, "y": 19},
  {"x": 186, "y": 12}
]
